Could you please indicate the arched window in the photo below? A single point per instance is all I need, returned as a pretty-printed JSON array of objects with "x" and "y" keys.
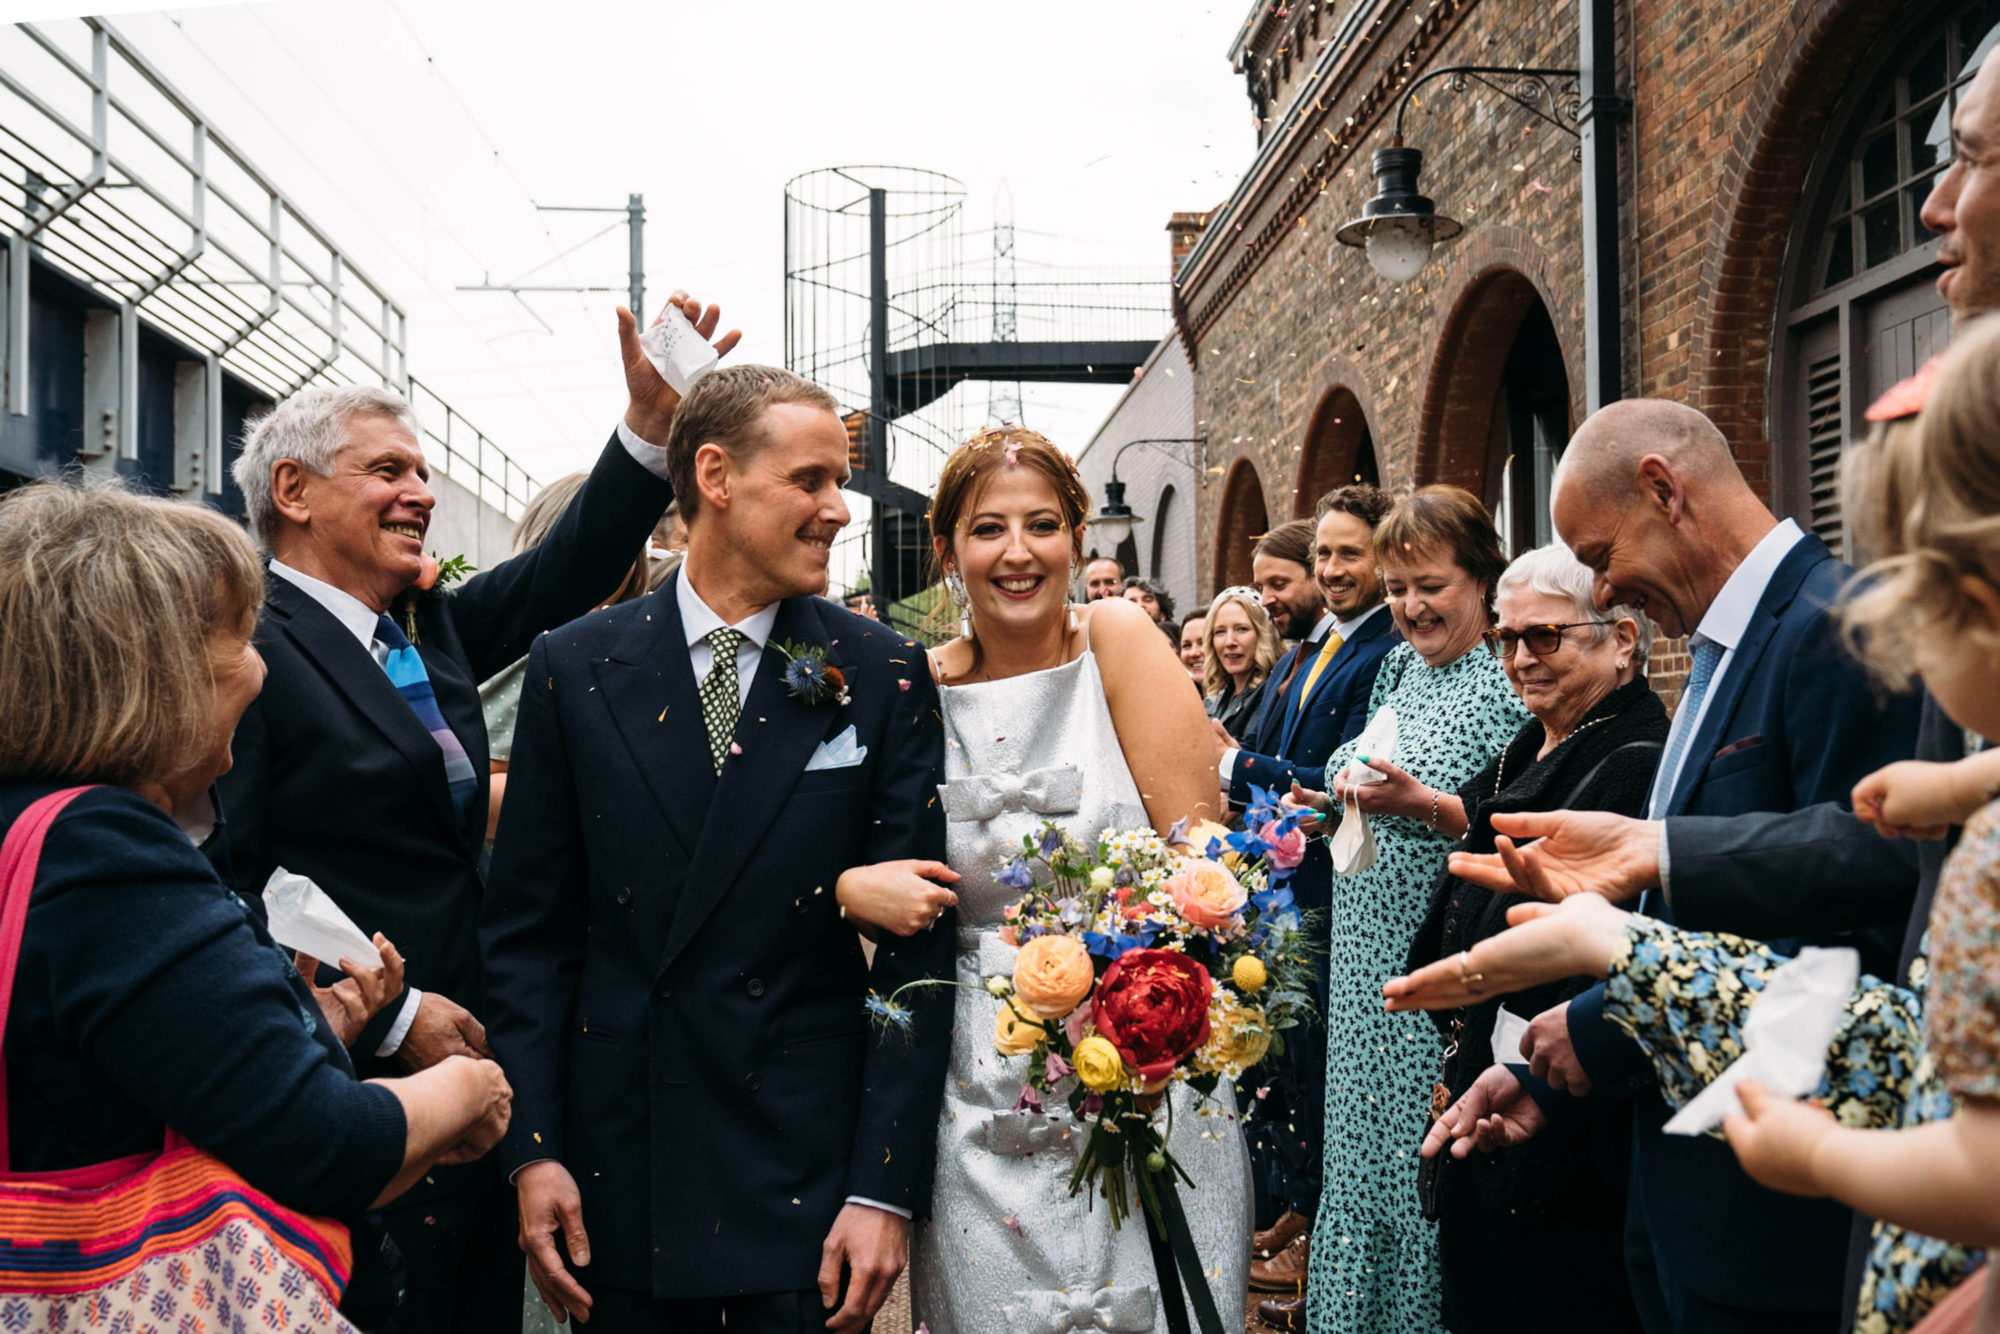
[
  {"x": 1860, "y": 308},
  {"x": 1164, "y": 517},
  {"x": 1242, "y": 521}
]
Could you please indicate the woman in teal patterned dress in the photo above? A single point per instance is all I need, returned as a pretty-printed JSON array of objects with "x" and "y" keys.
[{"x": 1373, "y": 1264}]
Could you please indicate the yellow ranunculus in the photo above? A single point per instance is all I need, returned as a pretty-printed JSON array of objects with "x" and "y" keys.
[
  {"x": 1013, "y": 1035},
  {"x": 1097, "y": 1065},
  {"x": 1248, "y": 974}
]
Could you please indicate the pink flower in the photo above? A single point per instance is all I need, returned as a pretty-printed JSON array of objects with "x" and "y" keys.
[
  {"x": 1078, "y": 1023},
  {"x": 1054, "y": 1068},
  {"x": 1006, "y": 934},
  {"x": 1206, "y": 894},
  {"x": 1287, "y": 852},
  {"x": 1029, "y": 1100}
]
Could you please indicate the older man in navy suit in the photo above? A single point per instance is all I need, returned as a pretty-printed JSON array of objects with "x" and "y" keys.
[
  {"x": 1320, "y": 702},
  {"x": 1774, "y": 716},
  {"x": 702, "y": 1111}
]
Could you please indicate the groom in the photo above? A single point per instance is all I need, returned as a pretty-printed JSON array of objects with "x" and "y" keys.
[{"x": 700, "y": 1108}]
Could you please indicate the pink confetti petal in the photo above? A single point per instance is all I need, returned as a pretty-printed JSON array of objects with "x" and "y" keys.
[
  {"x": 1013, "y": 1224},
  {"x": 735, "y": 749}
]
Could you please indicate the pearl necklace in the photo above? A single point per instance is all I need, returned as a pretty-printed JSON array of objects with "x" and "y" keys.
[{"x": 1500, "y": 771}]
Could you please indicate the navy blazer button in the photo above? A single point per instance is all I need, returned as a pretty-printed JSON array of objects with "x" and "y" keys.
[
  {"x": 755, "y": 986},
  {"x": 752, "y": 1083},
  {"x": 624, "y": 896},
  {"x": 666, "y": 990}
]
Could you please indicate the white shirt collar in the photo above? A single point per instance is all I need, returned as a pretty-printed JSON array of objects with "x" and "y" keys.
[
  {"x": 698, "y": 619},
  {"x": 1346, "y": 629},
  {"x": 1729, "y": 615},
  {"x": 1325, "y": 624},
  {"x": 348, "y": 609}
]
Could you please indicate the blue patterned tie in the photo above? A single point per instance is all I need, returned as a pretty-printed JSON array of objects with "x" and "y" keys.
[
  {"x": 1706, "y": 655},
  {"x": 413, "y": 683}
]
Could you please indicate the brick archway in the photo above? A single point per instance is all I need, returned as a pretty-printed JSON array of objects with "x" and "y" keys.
[
  {"x": 1759, "y": 187},
  {"x": 1339, "y": 443},
  {"x": 1497, "y": 276},
  {"x": 1241, "y": 521}
]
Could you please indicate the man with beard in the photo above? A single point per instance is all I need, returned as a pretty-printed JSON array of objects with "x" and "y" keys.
[
  {"x": 1322, "y": 703},
  {"x": 1102, "y": 578}
]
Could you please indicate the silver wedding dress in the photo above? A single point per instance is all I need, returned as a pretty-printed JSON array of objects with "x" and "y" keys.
[{"x": 1007, "y": 1248}]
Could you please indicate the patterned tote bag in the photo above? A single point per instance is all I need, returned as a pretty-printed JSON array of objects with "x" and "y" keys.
[{"x": 173, "y": 1243}]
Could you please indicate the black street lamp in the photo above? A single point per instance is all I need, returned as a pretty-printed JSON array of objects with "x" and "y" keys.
[
  {"x": 1399, "y": 226},
  {"x": 1114, "y": 520}
]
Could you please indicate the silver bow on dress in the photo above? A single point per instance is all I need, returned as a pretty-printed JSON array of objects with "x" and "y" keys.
[
  {"x": 1119, "y": 1310},
  {"x": 1057, "y": 790}
]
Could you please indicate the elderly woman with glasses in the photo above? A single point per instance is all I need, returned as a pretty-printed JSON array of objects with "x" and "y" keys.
[{"x": 1592, "y": 744}]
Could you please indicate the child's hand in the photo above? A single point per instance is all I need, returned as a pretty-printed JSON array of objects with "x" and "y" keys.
[
  {"x": 1777, "y": 1139},
  {"x": 1918, "y": 799}
]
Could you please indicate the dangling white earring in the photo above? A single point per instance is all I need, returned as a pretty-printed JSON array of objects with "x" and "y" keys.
[
  {"x": 1069, "y": 582},
  {"x": 954, "y": 587}
]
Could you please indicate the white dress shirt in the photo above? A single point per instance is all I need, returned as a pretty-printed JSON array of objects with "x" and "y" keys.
[
  {"x": 1725, "y": 623},
  {"x": 1329, "y": 622},
  {"x": 360, "y": 622},
  {"x": 699, "y": 620}
]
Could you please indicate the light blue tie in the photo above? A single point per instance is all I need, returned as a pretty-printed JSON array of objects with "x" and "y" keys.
[{"x": 1706, "y": 655}]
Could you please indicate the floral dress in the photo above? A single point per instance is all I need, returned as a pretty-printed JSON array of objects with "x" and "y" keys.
[
  {"x": 1683, "y": 996},
  {"x": 1374, "y": 1258}
]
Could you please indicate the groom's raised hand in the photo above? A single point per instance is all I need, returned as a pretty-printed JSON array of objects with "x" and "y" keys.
[
  {"x": 653, "y": 400},
  {"x": 871, "y": 1245},
  {"x": 550, "y": 1202}
]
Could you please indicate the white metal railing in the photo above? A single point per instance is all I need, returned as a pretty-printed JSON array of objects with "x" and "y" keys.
[{"x": 110, "y": 174}]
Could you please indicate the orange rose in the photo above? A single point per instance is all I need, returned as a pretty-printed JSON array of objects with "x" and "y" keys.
[
  {"x": 1206, "y": 894},
  {"x": 1052, "y": 975}
]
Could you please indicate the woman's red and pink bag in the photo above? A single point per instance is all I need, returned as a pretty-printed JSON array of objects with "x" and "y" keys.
[{"x": 172, "y": 1243}]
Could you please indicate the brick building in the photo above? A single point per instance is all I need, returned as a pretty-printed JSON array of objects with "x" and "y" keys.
[{"x": 1773, "y": 272}]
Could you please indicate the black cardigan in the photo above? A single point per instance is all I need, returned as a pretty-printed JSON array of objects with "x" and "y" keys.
[
  {"x": 147, "y": 996},
  {"x": 1563, "y": 1192}
]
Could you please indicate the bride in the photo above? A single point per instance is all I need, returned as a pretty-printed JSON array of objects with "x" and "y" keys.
[{"x": 1095, "y": 699}]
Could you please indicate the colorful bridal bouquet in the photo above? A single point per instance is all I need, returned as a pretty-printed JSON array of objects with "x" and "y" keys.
[{"x": 1146, "y": 961}]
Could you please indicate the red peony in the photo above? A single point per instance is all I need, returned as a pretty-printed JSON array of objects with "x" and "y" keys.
[{"x": 1153, "y": 1006}]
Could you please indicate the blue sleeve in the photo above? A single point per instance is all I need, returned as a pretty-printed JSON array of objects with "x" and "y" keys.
[
  {"x": 1615, "y": 1063},
  {"x": 152, "y": 969}
]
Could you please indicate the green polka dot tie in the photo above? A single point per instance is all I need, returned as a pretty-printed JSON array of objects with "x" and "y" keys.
[{"x": 719, "y": 701}]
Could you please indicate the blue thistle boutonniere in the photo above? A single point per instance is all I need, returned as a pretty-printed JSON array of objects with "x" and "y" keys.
[{"x": 810, "y": 676}]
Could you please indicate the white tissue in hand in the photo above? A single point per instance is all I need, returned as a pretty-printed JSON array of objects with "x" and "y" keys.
[
  {"x": 302, "y": 917},
  {"x": 677, "y": 350},
  {"x": 1378, "y": 742},
  {"x": 1508, "y": 1031},
  {"x": 1785, "y": 1037},
  {"x": 1352, "y": 846}
]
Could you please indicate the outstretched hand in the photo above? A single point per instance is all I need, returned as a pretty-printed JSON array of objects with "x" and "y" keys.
[
  {"x": 1495, "y": 1113},
  {"x": 653, "y": 400},
  {"x": 1776, "y": 1139},
  {"x": 1573, "y": 852},
  {"x": 1576, "y": 938}
]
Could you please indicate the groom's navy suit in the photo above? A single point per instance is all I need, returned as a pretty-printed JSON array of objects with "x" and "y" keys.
[{"x": 669, "y": 982}]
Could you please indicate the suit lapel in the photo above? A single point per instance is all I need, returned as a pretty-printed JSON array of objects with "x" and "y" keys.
[
  {"x": 1341, "y": 657},
  {"x": 648, "y": 687},
  {"x": 777, "y": 733},
  {"x": 1268, "y": 724},
  {"x": 340, "y": 657},
  {"x": 1728, "y": 692}
]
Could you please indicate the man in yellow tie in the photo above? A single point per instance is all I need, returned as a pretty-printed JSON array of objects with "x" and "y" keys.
[{"x": 1322, "y": 704}]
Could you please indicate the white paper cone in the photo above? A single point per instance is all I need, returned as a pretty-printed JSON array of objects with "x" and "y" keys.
[{"x": 302, "y": 917}]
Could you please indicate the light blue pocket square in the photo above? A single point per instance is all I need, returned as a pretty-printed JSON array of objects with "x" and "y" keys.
[{"x": 839, "y": 753}]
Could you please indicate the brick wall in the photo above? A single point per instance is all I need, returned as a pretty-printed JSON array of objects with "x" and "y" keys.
[{"x": 1729, "y": 102}]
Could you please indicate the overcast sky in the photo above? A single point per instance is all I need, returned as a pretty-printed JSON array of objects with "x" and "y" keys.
[{"x": 421, "y": 133}]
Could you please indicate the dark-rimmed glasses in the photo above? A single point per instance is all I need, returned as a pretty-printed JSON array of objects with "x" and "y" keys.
[{"x": 1542, "y": 640}]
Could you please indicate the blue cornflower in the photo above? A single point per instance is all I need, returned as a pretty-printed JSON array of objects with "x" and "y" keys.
[
  {"x": 1051, "y": 841},
  {"x": 887, "y": 1013},
  {"x": 1016, "y": 875}
]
